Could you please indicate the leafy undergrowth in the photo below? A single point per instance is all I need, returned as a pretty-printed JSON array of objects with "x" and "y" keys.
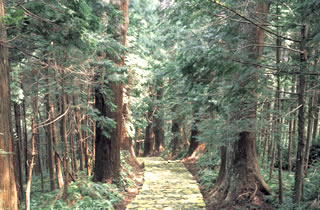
[
  {"x": 83, "y": 193},
  {"x": 206, "y": 169},
  {"x": 311, "y": 189}
]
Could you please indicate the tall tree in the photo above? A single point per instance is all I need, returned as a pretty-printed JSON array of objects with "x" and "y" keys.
[
  {"x": 8, "y": 190},
  {"x": 242, "y": 171},
  {"x": 107, "y": 155}
]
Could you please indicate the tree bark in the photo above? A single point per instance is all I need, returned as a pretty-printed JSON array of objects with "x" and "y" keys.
[
  {"x": 299, "y": 173},
  {"x": 242, "y": 173},
  {"x": 193, "y": 138},
  {"x": 55, "y": 146},
  {"x": 107, "y": 159},
  {"x": 158, "y": 124},
  {"x": 52, "y": 170},
  {"x": 33, "y": 143},
  {"x": 8, "y": 190},
  {"x": 18, "y": 148},
  {"x": 64, "y": 137}
]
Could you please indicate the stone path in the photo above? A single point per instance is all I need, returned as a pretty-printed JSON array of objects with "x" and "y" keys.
[{"x": 167, "y": 185}]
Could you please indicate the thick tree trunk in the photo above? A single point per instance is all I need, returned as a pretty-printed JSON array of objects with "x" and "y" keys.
[
  {"x": 149, "y": 136},
  {"x": 158, "y": 124},
  {"x": 193, "y": 138},
  {"x": 8, "y": 190},
  {"x": 176, "y": 139},
  {"x": 107, "y": 159},
  {"x": 243, "y": 182}
]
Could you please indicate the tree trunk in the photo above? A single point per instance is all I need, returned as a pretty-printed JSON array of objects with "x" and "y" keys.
[
  {"x": 64, "y": 137},
  {"x": 38, "y": 156},
  {"x": 243, "y": 181},
  {"x": 55, "y": 145},
  {"x": 148, "y": 136},
  {"x": 8, "y": 190},
  {"x": 193, "y": 139},
  {"x": 158, "y": 124},
  {"x": 52, "y": 170},
  {"x": 18, "y": 148},
  {"x": 176, "y": 140},
  {"x": 79, "y": 131},
  {"x": 33, "y": 143},
  {"x": 309, "y": 131},
  {"x": 316, "y": 116},
  {"x": 107, "y": 159},
  {"x": 25, "y": 137},
  {"x": 138, "y": 142},
  {"x": 299, "y": 173}
]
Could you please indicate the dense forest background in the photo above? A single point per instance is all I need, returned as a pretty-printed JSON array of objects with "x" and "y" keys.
[{"x": 89, "y": 85}]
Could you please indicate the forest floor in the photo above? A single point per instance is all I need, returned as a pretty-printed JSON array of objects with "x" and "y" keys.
[{"x": 168, "y": 185}]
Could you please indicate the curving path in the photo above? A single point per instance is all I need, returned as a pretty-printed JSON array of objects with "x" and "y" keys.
[{"x": 167, "y": 185}]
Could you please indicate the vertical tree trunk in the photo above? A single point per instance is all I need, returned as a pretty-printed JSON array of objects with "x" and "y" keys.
[
  {"x": 242, "y": 173},
  {"x": 33, "y": 144},
  {"x": 38, "y": 156},
  {"x": 55, "y": 145},
  {"x": 316, "y": 116},
  {"x": 299, "y": 173},
  {"x": 50, "y": 146},
  {"x": 25, "y": 138},
  {"x": 107, "y": 160},
  {"x": 193, "y": 138},
  {"x": 64, "y": 136},
  {"x": 8, "y": 190},
  {"x": 148, "y": 136},
  {"x": 175, "y": 129},
  {"x": 309, "y": 131},
  {"x": 138, "y": 142},
  {"x": 18, "y": 147},
  {"x": 158, "y": 124},
  {"x": 79, "y": 131},
  {"x": 278, "y": 120}
]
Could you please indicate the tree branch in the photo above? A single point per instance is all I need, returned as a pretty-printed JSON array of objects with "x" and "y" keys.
[{"x": 252, "y": 22}]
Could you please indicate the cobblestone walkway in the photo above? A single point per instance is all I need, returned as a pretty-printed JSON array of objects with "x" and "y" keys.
[{"x": 167, "y": 185}]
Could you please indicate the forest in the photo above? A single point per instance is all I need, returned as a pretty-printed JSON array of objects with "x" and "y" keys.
[{"x": 100, "y": 98}]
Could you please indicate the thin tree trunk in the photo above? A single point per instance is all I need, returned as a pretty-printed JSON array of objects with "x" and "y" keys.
[
  {"x": 55, "y": 145},
  {"x": 278, "y": 120},
  {"x": 309, "y": 131},
  {"x": 50, "y": 147},
  {"x": 33, "y": 145},
  {"x": 79, "y": 131},
  {"x": 38, "y": 151},
  {"x": 299, "y": 174},
  {"x": 316, "y": 116},
  {"x": 18, "y": 147},
  {"x": 25, "y": 137},
  {"x": 64, "y": 136},
  {"x": 138, "y": 141}
]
